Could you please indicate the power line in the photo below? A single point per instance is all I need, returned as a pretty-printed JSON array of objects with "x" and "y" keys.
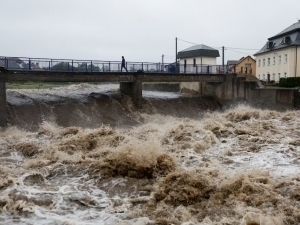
[
  {"x": 251, "y": 49},
  {"x": 244, "y": 48},
  {"x": 240, "y": 52},
  {"x": 186, "y": 41},
  {"x": 194, "y": 43}
]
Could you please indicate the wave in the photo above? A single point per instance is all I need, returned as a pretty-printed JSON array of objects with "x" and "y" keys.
[{"x": 238, "y": 166}]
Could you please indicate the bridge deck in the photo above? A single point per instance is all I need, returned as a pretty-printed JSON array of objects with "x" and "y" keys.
[{"x": 54, "y": 76}]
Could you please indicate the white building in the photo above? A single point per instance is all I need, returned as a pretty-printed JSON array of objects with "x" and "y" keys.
[
  {"x": 280, "y": 56},
  {"x": 196, "y": 58}
]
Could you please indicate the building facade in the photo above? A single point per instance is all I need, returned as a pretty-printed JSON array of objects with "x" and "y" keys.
[
  {"x": 196, "y": 58},
  {"x": 246, "y": 65},
  {"x": 280, "y": 56}
]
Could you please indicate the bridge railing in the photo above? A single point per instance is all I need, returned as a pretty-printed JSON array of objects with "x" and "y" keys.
[{"x": 69, "y": 65}]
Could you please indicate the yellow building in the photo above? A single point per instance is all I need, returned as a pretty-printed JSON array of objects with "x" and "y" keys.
[{"x": 246, "y": 65}]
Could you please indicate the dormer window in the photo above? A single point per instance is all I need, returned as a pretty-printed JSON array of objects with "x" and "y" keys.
[
  {"x": 285, "y": 40},
  {"x": 270, "y": 44}
]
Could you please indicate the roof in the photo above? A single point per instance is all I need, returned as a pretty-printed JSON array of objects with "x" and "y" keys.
[
  {"x": 232, "y": 62},
  {"x": 244, "y": 58},
  {"x": 292, "y": 31},
  {"x": 197, "y": 51}
]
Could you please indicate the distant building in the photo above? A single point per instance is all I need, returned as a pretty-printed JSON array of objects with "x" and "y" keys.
[
  {"x": 200, "y": 55},
  {"x": 195, "y": 60},
  {"x": 246, "y": 65},
  {"x": 280, "y": 56},
  {"x": 11, "y": 62},
  {"x": 15, "y": 63}
]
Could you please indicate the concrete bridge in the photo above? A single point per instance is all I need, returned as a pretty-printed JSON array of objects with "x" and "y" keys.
[{"x": 213, "y": 80}]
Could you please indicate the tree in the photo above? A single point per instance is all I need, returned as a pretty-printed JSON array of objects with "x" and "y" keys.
[{"x": 62, "y": 66}]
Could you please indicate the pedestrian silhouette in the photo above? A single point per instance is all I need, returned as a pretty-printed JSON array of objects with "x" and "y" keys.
[{"x": 123, "y": 64}]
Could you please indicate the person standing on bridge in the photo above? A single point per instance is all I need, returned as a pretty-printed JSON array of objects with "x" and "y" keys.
[{"x": 123, "y": 64}]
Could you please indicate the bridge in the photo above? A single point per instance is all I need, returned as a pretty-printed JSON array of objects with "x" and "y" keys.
[{"x": 21, "y": 69}]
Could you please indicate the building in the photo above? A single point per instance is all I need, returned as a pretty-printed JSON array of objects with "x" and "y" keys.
[
  {"x": 11, "y": 62},
  {"x": 17, "y": 63},
  {"x": 280, "y": 56},
  {"x": 231, "y": 64},
  {"x": 246, "y": 65},
  {"x": 196, "y": 58}
]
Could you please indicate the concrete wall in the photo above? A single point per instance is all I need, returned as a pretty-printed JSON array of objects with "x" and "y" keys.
[
  {"x": 133, "y": 89},
  {"x": 3, "y": 108},
  {"x": 188, "y": 87},
  {"x": 278, "y": 99},
  {"x": 165, "y": 87}
]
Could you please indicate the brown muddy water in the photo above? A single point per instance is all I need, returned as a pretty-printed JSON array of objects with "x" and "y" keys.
[{"x": 83, "y": 155}]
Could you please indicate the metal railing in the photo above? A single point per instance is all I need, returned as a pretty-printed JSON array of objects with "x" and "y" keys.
[{"x": 70, "y": 65}]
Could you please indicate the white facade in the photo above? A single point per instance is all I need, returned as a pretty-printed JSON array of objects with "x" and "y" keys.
[
  {"x": 279, "y": 63},
  {"x": 205, "y": 60},
  {"x": 198, "y": 61}
]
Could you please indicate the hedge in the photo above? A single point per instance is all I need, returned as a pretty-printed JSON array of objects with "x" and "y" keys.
[{"x": 289, "y": 82}]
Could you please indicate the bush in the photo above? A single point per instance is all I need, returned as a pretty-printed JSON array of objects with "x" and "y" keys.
[{"x": 289, "y": 82}]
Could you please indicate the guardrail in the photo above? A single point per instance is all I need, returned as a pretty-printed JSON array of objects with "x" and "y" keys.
[{"x": 70, "y": 65}]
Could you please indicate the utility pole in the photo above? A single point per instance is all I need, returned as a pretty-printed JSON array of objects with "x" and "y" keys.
[
  {"x": 223, "y": 59},
  {"x": 162, "y": 62},
  {"x": 176, "y": 53}
]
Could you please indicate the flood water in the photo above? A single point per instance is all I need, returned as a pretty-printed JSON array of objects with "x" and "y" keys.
[{"x": 82, "y": 154}]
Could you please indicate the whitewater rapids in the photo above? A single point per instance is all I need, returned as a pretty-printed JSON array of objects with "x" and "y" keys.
[{"x": 82, "y": 155}]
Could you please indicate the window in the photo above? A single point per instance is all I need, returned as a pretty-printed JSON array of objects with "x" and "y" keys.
[
  {"x": 268, "y": 61},
  {"x": 273, "y": 76},
  {"x": 248, "y": 65},
  {"x": 278, "y": 76},
  {"x": 194, "y": 62},
  {"x": 258, "y": 63},
  {"x": 285, "y": 58},
  {"x": 285, "y": 75},
  {"x": 259, "y": 76},
  {"x": 264, "y": 77},
  {"x": 264, "y": 62},
  {"x": 274, "y": 60},
  {"x": 279, "y": 59}
]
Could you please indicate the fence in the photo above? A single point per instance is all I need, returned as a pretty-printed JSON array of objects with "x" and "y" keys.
[{"x": 70, "y": 65}]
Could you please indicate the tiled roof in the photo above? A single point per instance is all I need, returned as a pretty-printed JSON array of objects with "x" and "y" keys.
[
  {"x": 232, "y": 62},
  {"x": 198, "y": 47},
  {"x": 292, "y": 31},
  {"x": 291, "y": 28},
  {"x": 198, "y": 51}
]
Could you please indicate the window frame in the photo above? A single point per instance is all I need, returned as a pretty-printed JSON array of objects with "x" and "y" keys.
[{"x": 279, "y": 59}]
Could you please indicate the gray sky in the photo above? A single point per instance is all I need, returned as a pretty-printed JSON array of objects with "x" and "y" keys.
[{"x": 141, "y": 30}]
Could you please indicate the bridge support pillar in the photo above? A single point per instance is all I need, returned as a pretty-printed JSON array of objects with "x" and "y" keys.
[
  {"x": 134, "y": 90},
  {"x": 3, "y": 107}
]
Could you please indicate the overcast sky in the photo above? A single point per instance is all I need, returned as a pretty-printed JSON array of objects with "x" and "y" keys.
[{"x": 141, "y": 30}]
